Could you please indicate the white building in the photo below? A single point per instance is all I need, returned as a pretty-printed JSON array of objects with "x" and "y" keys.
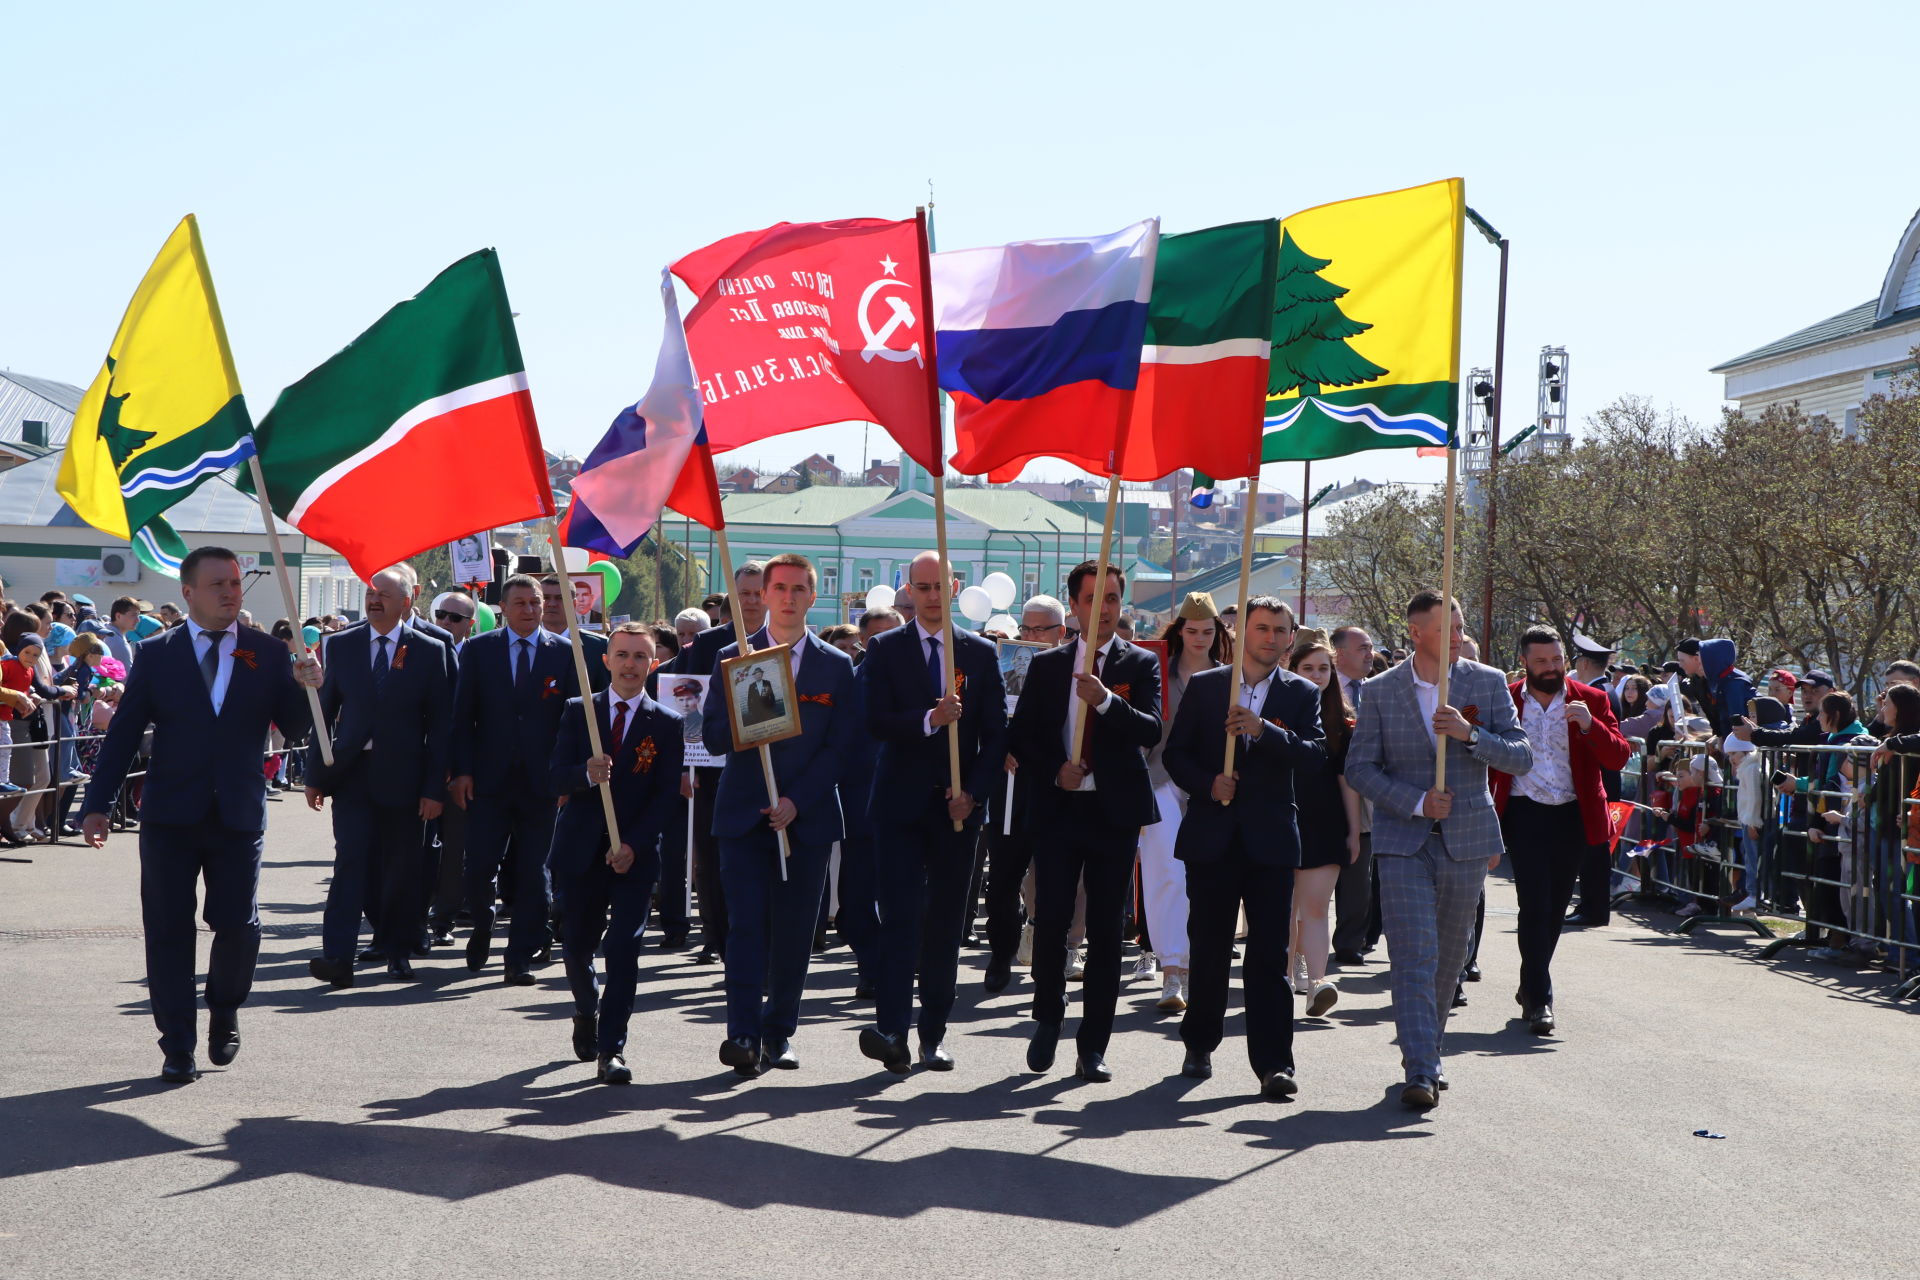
[{"x": 1833, "y": 367}]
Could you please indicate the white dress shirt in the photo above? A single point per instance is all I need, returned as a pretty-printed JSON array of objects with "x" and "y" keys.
[
  {"x": 1076, "y": 705},
  {"x": 224, "y": 676},
  {"x": 393, "y": 638},
  {"x": 1550, "y": 781},
  {"x": 927, "y": 651},
  {"x": 1428, "y": 696}
]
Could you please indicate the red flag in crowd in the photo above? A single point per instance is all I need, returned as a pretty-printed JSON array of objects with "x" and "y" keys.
[{"x": 807, "y": 323}]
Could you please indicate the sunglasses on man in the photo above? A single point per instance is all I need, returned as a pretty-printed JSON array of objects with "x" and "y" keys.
[{"x": 448, "y": 615}]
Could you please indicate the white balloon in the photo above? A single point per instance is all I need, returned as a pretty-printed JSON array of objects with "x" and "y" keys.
[
  {"x": 576, "y": 558},
  {"x": 1004, "y": 624},
  {"x": 880, "y": 598},
  {"x": 1000, "y": 589},
  {"x": 975, "y": 604}
]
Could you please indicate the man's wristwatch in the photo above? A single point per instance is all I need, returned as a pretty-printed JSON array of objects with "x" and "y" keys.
[{"x": 1473, "y": 738}]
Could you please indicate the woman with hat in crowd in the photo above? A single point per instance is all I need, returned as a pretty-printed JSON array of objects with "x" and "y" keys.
[{"x": 1196, "y": 641}]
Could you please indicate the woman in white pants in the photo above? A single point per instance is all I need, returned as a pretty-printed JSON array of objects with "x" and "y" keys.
[{"x": 1195, "y": 642}]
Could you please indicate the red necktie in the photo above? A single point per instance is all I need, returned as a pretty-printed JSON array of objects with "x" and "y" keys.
[{"x": 619, "y": 727}]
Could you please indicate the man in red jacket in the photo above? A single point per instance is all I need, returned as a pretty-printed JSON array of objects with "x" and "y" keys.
[{"x": 1552, "y": 815}]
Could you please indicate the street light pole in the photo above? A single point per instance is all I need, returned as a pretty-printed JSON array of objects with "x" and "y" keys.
[{"x": 1493, "y": 429}]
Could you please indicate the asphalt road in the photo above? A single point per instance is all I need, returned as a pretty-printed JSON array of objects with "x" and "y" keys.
[{"x": 443, "y": 1129}]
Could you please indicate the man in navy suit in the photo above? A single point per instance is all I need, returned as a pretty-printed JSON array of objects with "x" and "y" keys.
[
  {"x": 388, "y": 701},
  {"x": 513, "y": 685},
  {"x": 1240, "y": 839},
  {"x": 603, "y": 890},
  {"x": 924, "y": 865},
  {"x": 553, "y": 616},
  {"x": 698, "y": 659},
  {"x": 771, "y": 916},
  {"x": 1086, "y": 809},
  {"x": 209, "y": 690}
]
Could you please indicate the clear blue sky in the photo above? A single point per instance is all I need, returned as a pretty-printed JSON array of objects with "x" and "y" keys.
[{"x": 1681, "y": 182}]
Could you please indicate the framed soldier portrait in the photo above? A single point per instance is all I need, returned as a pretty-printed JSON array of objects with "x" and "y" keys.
[{"x": 761, "y": 701}]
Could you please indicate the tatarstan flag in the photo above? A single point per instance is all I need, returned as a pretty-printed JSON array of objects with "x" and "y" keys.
[
  {"x": 420, "y": 432},
  {"x": 1203, "y": 364}
]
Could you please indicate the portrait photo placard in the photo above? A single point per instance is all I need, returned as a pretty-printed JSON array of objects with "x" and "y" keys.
[{"x": 761, "y": 701}]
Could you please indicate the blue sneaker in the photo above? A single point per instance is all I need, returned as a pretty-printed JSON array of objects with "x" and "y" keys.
[{"x": 10, "y": 789}]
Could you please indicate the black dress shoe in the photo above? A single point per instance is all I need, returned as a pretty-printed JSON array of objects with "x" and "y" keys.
[
  {"x": 371, "y": 955},
  {"x": 934, "y": 1057},
  {"x": 442, "y": 938},
  {"x": 889, "y": 1051},
  {"x": 1092, "y": 1068},
  {"x": 672, "y": 941},
  {"x": 586, "y": 1036},
  {"x": 1440, "y": 1081},
  {"x": 518, "y": 975},
  {"x": 999, "y": 977},
  {"x": 1040, "y": 1049},
  {"x": 1420, "y": 1094},
  {"x": 1279, "y": 1084},
  {"x": 742, "y": 1054},
  {"x": 1198, "y": 1066},
  {"x": 1540, "y": 1020},
  {"x": 223, "y": 1038},
  {"x": 179, "y": 1068},
  {"x": 613, "y": 1070},
  {"x": 423, "y": 948},
  {"x": 477, "y": 952},
  {"x": 864, "y": 990},
  {"x": 1459, "y": 996},
  {"x": 400, "y": 968},
  {"x": 337, "y": 972},
  {"x": 1472, "y": 971},
  {"x": 1348, "y": 958},
  {"x": 543, "y": 956},
  {"x": 705, "y": 957},
  {"x": 778, "y": 1055},
  {"x": 819, "y": 941}
]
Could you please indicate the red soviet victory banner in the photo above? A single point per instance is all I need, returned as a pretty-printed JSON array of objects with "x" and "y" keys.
[{"x": 807, "y": 323}]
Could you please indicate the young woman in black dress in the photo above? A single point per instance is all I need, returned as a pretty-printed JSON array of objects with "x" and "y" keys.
[{"x": 1329, "y": 831}]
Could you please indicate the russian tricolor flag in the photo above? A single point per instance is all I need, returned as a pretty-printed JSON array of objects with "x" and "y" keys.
[
  {"x": 655, "y": 454},
  {"x": 1039, "y": 343}
]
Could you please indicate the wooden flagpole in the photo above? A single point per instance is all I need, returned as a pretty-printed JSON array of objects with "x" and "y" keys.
[
  {"x": 1240, "y": 617},
  {"x": 946, "y": 625},
  {"x": 586, "y": 686},
  {"x": 1453, "y": 467},
  {"x": 1446, "y": 605},
  {"x": 1090, "y": 637},
  {"x": 740, "y": 636},
  {"x": 923, "y": 216},
  {"x": 292, "y": 605}
]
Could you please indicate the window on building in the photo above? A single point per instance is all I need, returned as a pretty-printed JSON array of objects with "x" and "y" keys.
[
  {"x": 1850, "y": 425},
  {"x": 830, "y": 583},
  {"x": 1029, "y": 588},
  {"x": 866, "y": 580}
]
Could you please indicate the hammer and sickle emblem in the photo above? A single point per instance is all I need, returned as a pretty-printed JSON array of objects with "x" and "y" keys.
[{"x": 901, "y": 315}]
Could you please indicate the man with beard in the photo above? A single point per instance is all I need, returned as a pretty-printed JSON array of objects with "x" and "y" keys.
[{"x": 1553, "y": 815}]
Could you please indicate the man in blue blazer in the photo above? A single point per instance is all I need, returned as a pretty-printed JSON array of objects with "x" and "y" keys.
[
  {"x": 771, "y": 916},
  {"x": 553, "y": 616},
  {"x": 1086, "y": 810},
  {"x": 604, "y": 891},
  {"x": 513, "y": 685},
  {"x": 209, "y": 689},
  {"x": 698, "y": 659},
  {"x": 924, "y": 865},
  {"x": 388, "y": 701},
  {"x": 1432, "y": 845},
  {"x": 1240, "y": 840}
]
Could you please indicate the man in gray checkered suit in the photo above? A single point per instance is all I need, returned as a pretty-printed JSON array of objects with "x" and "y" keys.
[{"x": 1432, "y": 847}]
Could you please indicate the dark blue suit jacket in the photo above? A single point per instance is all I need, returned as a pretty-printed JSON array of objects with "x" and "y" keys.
[
  {"x": 203, "y": 767},
  {"x": 645, "y": 779},
  {"x": 495, "y": 726},
  {"x": 912, "y": 771},
  {"x": 808, "y": 768},
  {"x": 398, "y": 734},
  {"x": 1263, "y": 810},
  {"x": 1116, "y": 743}
]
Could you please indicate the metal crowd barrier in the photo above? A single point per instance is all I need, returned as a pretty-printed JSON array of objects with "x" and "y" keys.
[{"x": 1849, "y": 885}]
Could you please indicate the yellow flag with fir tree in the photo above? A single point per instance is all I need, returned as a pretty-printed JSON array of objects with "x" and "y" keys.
[
  {"x": 165, "y": 411},
  {"x": 1366, "y": 336}
]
